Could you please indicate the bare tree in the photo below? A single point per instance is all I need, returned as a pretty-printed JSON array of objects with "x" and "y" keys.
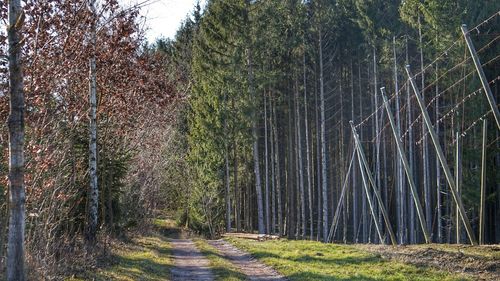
[{"x": 93, "y": 196}]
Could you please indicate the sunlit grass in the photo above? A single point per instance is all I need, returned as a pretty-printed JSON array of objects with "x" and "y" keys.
[
  {"x": 309, "y": 260},
  {"x": 144, "y": 258}
]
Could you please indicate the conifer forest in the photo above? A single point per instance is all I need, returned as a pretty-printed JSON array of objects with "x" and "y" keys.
[{"x": 266, "y": 140}]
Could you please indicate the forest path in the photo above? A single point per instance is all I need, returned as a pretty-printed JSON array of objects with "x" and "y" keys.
[
  {"x": 244, "y": 262},
  {"x": 189, "y": 262}
]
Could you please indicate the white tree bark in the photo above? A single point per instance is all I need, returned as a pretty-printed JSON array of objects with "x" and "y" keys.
[
  {"x": 93, "y": 195},
  {"x": 17, "y": 196}
]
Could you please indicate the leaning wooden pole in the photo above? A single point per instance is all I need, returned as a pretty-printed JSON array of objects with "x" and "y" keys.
[
  {"x": 482, "y": 76},
  {"x": 345, "y": 186},
  {"x": 362, "y": 157},
  {"x": 406, "y": 166},
  {"x": 442, "y": 159},
  {"x": 483, "y": 182},
  {"x": 368, "y": 196}
]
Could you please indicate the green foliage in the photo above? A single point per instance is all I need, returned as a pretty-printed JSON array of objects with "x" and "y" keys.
[{"x": 219, "y": 108}]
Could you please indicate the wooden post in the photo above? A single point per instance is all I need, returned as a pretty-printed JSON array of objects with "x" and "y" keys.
[
  {"x": 482, "y": 76},
  {"x": 483, "y": 182},
  {"x": 370, "y": 204},
  {"x": 442, "y": 159},
  {"x": 333, "y": 228},
  {"x": 406, "y": 167},
  {"x": 362, "y": 157}
]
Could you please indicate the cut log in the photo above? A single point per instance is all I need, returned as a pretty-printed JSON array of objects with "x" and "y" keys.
[{"x": 252, "y": 236}]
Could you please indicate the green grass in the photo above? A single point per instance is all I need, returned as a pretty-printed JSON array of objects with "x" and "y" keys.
[
  {"x": 143, "y": 258},
  {"x": 309, "y": 260},
  {"x": 222, "y": 268}
]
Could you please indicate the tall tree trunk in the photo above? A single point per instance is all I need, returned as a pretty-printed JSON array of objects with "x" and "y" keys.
[
  {"x": 425, "y": 141},
  {"x": 256, "y": 159},
  {"x": 93, "y": 196},
  {"x": 290, "y": 206},
  {"x": 401, "y": 198},
  {"x": 266, "y": 168},
  {"x": 354, "y": 178},
  {"x": 318, "y": 167},
  {"x": 364, "y": 213},
  {"x": 277, "y": 164},
  {"x": 17, "y": 196},
  {"x": 324, "y": 174},
  {"x": 308, "y": 158},
  {"x": 411, "y": 143},
  {"x": 300, "y": 163},
  {"x": 272, "y": 230},
  {"x": 438, "y": 168},
  {"x": 237, "y": 196},
  {"x": 227, "y": 194},
  {"x": 377, "y": 135}
]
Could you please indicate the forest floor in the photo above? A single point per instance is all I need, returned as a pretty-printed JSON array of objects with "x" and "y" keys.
[
  {"x": 477, "y": 262},
  {"x": 172, "y": 254}
]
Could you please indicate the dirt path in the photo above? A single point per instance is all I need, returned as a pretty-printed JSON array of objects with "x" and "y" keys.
[
  {"x": 189, "y": 263},
  {"x": 253, "y": 269}
]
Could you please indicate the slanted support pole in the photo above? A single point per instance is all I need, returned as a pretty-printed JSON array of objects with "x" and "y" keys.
[
  {"x": 363, "y": 162},
  {"x": 336, "y": 217},
  {"x": 482, "y": 76},
  {"x": 483, "y": 183},
  {"x": 442, "y": 159},
  {"x": 368, "y": 196},
  {"x": 406, "y": 166}
]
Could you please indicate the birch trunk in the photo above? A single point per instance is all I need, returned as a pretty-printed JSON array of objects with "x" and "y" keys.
[
  {"x": 17, "y": 196},
  {"x": 93, "y": 196}
]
